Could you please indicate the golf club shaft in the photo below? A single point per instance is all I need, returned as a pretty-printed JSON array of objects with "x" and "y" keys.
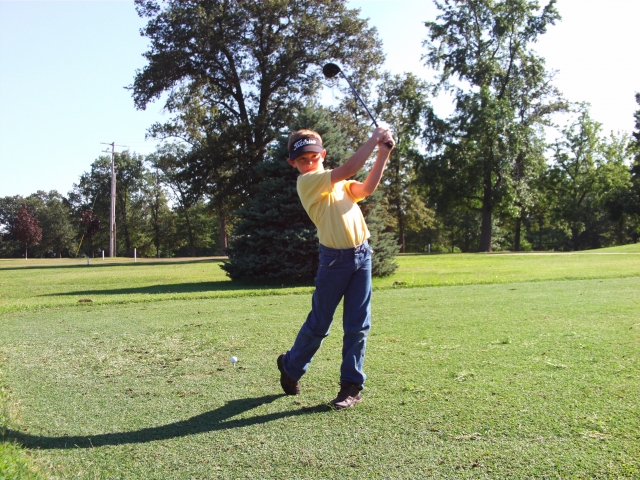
[{"x": 355, "y": 92}]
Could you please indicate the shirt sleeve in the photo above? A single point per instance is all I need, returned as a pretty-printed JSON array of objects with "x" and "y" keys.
[
  {"x": 313, "y": 186},
  {"x": 347, "y": 187}
]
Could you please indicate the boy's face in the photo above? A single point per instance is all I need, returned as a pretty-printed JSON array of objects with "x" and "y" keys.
[{"x": 309, "y": 162}]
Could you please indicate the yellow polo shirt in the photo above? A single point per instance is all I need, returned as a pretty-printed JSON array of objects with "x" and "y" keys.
[{"x": 334, "y": 211}]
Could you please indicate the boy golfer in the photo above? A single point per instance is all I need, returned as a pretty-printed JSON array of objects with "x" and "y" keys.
[{"x": 345, "y": 258}]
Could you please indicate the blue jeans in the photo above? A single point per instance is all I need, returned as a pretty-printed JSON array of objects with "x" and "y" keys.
[{"x": 342, "y": 273}]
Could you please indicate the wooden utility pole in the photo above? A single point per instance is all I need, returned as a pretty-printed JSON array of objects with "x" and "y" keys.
[{"x": 112, "y": 212}]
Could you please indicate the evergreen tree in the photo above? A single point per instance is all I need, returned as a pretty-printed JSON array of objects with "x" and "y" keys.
[
  {"x": 384, "y": 243},
  {"x": 274, "y": 237}
]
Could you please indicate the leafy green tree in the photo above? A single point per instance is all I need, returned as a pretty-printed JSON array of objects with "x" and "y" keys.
[
  {"x": 633, "y": 204},
  {"x": 526, "y": 186},
  {"x": 90, "y": 224},
  {"x": 574, "y": 172},
  {"x": 9, "y": 207},
  {"x": 205, "y": 228},
  {"x": 54, "y": 217},
  {"x": 93, "y": 191},
  {"x": 403, "y": 104},
  {"x": 613, "y": 191},
  {"x": 159, "y": 219},
  {"x": 503, "y": 95},
  {"x": 26, "y": 229},
  {"x": 171, "y": 160},
  {"x": 130, "y": 171},
  {"x": 590, "y": 180},
  {"x": 539, "y": 217},
  {"x": 235, "y": 72}
]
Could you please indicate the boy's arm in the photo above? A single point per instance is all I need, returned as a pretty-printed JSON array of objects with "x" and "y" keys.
[
  {"x": 366, "y": 188},
  {"x": 357, "y": 160}
]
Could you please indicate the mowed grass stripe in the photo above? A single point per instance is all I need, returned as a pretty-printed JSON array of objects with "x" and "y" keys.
[
  {"x": 504, "y": 380},
  {"x": 55, "y": 283}
]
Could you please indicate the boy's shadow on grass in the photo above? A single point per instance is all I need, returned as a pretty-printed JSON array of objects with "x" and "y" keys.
[{"x": 211, "y": 421}]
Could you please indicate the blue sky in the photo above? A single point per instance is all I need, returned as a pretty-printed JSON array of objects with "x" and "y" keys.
[{"x": 64, "y": 66}]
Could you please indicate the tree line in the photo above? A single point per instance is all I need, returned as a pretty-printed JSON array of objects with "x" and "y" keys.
[
  {"x": 239, "y": 75},
  {"x": 151, "y": 216}
]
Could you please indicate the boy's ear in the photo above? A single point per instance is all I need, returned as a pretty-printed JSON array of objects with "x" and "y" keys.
[{"x": 291, "y": 162}]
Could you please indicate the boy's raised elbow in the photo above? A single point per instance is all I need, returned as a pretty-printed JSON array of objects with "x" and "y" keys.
[
  {"x": 367, "y": 191},
  {"x": 360, "y": 190}
]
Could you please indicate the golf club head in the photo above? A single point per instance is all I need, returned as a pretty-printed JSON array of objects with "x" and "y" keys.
[{"x": 330, "y": 70}]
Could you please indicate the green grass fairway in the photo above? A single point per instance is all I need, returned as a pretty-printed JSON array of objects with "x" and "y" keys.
[
  {"x": 631, "y": 248},
  {"x": 491, "y": 366},
  {"x": 34, "y": 284}
]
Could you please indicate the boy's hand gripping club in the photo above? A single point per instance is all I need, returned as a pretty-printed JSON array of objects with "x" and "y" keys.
[{"x": 330, "y": 70}]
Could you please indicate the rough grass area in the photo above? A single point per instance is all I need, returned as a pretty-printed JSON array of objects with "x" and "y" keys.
[
  {"x": 14, "y": 463},
  {"x": 520, "y": 379}
]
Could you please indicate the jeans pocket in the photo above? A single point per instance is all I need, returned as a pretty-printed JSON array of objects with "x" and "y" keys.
[{"x": 327, "y": 260}]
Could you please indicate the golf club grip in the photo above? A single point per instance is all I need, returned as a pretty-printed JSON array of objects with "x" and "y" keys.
[{"x": 389, "y": 144}]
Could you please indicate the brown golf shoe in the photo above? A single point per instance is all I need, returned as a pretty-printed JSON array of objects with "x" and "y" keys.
[
  {"x": 348, "y": 396},
  {"x": 289, "y": 385}
]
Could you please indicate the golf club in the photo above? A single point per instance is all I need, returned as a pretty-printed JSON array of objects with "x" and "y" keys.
[{"x": 330, "y": 70}]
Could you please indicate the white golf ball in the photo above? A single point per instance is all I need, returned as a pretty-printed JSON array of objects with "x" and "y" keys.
[{"x": 234, "y": 359}]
